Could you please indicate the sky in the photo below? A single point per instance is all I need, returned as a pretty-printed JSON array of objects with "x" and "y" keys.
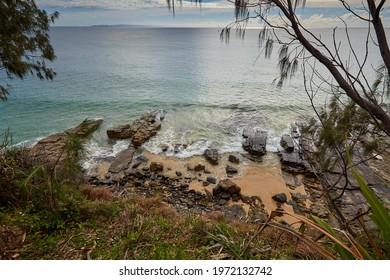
[{"x": 210, "y": 13}]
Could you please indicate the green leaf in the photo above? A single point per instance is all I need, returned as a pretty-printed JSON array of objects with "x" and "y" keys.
[
  {"x": 344, "y": 254},
  {"x": 380, "y": 215}
]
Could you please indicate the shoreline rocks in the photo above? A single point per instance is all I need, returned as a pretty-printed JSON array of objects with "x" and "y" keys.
[
  {"x": 126, "y": 174},
  {"x": 53, "y": 149},
  {"x": 255, "y": 142},
  {"x": 140, "y": 130},
  {"x": 212, "y": 156}
]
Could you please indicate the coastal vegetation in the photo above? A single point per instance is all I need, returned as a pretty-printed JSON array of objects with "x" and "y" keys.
[{"x": 25, "y": 45}]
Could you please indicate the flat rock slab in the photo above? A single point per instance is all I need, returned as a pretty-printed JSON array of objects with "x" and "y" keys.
[
  {"x": 52, "y": 149},
  {"x": 122, "y": 160}
]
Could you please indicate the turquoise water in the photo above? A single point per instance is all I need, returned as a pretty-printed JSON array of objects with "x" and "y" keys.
[{"x": 210, "y": 90}]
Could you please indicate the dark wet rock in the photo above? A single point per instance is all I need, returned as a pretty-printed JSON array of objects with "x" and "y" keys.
[
  {"x": 280, "y": 197},
  {"x": 179, "y": 148},
  {"x": 211, "y": 180},
  {"x": 287, "y": 143},
  {"x": 199, "y": 167},
  {"x": 139, "y": 174},
  {"x": 156, "y": 167},
  {"x": 294, "y": 162},
  {"x": 217, "y": 190},
  {"x": 212, "y": 156},
  {"x": 184, "y": 186},
  {"x": 179, "y": 174},
  {"x": 122, "y": 160},
  {"x": 255, "y": 142},
  {"x": 164, "y": 148},
  {"x": 231, "y": 170},
  {"x": 234, "y": 159},
  {"x": 142, "y": 159},
  {"x": 52, "y": 149},
  {"x": 229, "y": 186},
  {"x": 279, "y": 206}
]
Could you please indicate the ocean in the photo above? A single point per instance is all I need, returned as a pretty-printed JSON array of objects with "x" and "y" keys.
[{"x": 210, "y": 90}]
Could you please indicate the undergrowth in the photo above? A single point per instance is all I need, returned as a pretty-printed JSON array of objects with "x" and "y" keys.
[{"x": 46, "y": 212}]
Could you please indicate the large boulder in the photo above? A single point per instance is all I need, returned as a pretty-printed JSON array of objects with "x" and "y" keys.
[
  {"x": 144, "y": 133},
  {"x": 255, "y": 142},
  {"x": 120, "y": 132},
  {"x": 140, "y": 130},
  {"x": 53, "y": 149},
  {"x": 229, "y": 186}
]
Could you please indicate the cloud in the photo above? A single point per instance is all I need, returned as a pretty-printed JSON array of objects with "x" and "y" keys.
[
  {"x": 126, "y": 4},
  {"x": 211, "y": 13}
]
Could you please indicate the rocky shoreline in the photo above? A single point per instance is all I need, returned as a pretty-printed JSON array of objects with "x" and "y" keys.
[{"x": 242, "y": 186}]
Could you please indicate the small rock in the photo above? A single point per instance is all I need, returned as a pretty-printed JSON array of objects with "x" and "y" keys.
[
  {"x": 234, "y": 159},
  {"x": 199, "y": 167},
  {"x": 156, "y": 166},
  {"x": 206, "y": 183},
  {"x": 231, "y": 170},
  {"x": 280, "y": 197},
  {"x": 179, "y": 174},
  {"x": 211, "y": 180},
  {"x": 142, "y": 159},
  {"x": 136, "y": 165},
  {"x": 164, "y": 148},
  {"x": 184, "y": 186}
]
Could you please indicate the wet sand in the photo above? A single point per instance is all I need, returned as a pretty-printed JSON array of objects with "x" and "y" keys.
[{"x": 255, "y": 179}]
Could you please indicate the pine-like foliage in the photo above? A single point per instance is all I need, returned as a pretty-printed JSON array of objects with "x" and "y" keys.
[{"x": 24, "y": 41}]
